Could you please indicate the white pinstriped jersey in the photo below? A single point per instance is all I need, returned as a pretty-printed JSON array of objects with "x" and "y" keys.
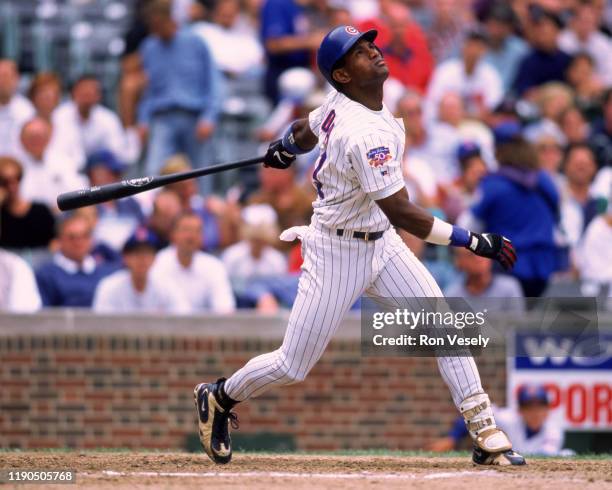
[{"x": 359, "y": 162}]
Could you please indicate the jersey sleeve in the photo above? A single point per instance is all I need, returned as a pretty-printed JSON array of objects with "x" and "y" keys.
[
  {"x": 314, "y": 120},
  {"x": 377, "y": 163}
]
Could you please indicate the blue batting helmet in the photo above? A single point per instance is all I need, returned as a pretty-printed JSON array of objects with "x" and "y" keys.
[{"x": 336, "y": 44}]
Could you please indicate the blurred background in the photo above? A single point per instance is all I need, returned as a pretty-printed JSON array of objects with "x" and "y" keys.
[{"x": 508, "y": 113}]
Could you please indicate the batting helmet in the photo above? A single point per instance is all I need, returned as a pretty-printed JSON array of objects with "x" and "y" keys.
[{"x": 336, "y": 44}]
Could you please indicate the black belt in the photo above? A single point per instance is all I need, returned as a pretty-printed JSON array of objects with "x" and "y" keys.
[{"x": 368, "y": 236}]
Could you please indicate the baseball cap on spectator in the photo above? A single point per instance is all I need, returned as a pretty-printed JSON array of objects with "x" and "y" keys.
[
  {"x": 107, "y": 159},
  {"x": 260, "y": 222},
  {"x": 545, "y": 129},
  {"x": 141, "y": 239},
  {"x": 296, "y": 84},
  {"x": 467, "y": 150},
  {"x": 537, "y": 13},
  {"x": 477, "y": 33},
  {"x": 501, "y": 12},
  {"x": 531, "y": 395},
  {"x": 506, "y": 132}
]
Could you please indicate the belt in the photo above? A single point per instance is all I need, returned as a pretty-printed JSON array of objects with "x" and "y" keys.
[{"x": 368, "y": 236}]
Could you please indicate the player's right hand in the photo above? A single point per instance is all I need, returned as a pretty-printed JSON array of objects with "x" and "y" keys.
[
  {"x": 493, "y": 246},
  {"x": 277, "y": 156}
]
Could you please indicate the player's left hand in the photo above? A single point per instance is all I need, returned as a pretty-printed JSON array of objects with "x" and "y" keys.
[
  {"x": 493, "y": 246},
  {"x": 278, "y": 156}
]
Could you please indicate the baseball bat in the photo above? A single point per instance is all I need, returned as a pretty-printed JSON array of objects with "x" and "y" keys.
[{"x": 129, "y": 187}]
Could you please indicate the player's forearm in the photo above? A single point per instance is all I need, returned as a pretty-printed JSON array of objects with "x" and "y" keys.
[
  {"x": 410, "y": 217},
  {"x": 422, "y": 224},
  {"x": 415, "y": 220}
]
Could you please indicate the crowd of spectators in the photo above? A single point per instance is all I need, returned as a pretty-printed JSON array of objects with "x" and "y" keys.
[{"x": 507, "y": 107}]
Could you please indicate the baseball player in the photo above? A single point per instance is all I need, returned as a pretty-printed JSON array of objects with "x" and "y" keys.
[{"x": 351, "y": 247}]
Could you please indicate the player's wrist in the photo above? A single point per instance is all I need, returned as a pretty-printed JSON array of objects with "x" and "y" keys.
[
  {"x": 460, "y": 237},
  {"x": 443, "y": 233},
  {"x": 289, "y": 143}
]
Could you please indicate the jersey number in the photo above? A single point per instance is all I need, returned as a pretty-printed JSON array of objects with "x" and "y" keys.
[{"x": 326, "y": 127}]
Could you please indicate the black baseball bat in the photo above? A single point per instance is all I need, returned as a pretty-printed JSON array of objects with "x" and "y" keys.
[{"x": 129, "y": 187}]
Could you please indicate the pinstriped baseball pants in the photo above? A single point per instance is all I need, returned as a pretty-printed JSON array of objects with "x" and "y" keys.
[{"x": 335, "y": 273}]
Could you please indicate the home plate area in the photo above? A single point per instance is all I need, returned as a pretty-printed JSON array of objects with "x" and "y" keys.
[{"x": 304, "y": 471}]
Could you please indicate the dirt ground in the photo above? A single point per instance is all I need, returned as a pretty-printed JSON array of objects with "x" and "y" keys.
[{"x": 101, "y": 470}]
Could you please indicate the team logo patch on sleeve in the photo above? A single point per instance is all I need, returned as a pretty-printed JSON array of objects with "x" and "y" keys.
[{"x": 377, "y": 157}]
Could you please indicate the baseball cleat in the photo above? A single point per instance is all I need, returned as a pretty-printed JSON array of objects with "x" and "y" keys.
[
  {"x": 214, "y": 420},
  {"x": 505, "y": 458},
  {"x": 492, "y": 447}
]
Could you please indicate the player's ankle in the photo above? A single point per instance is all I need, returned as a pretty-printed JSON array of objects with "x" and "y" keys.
[
  {"x": 226, "y": 402},
  {"x": 478, "y": 414}
]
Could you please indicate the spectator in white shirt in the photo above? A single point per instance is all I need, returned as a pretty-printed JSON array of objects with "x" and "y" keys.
[
  {"x": 419, "y": 175},
  {"x": 233, "y": 43},
  {"x": 98, "y": 127},
  {"x": 444, "y": 137},
  {"x": 253, "y": 264},
  {"x": 197, "y": 276},
  {"x": 15, "y": 109},
  {"x": 18, "y": 290},
  {"x": 133, "y": 289},
  {"x": 47, "y": 173},
  {"x": 583, "y": 35},
  {"x": 45, "y": 92},
  {"x": 477, "y": 82},
  {"x": 594, "y": 256}
]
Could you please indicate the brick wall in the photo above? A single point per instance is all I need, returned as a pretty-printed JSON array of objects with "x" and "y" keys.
[{"x": 75, "y": 380}]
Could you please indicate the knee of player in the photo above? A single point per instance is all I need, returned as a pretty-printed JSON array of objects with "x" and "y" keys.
[
  {"x": 295, "y": 376},
  {"x": 290, "y": 370}
]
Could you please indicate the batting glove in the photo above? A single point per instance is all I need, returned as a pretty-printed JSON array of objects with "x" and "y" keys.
[
  {"x": 278, "y": 156},
  {"x": 493, "y": 246}
]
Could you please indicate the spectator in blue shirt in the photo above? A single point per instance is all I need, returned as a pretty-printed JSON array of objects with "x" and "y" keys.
[
  {"x": 505, "y": 49},
  {"x": 287, "y": 40},
  {"x": 182, "y": 100},
  {"x": 521, "y": 202},
  {"x": 545, "y": 62},
  {"x": 71, "y": 277}
]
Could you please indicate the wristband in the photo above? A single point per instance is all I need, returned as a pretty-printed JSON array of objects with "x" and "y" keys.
[
  {"x": 443, "y": 233},
  {"x": 460, "y": 237},
  {"x": 290, "y": 144}
]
